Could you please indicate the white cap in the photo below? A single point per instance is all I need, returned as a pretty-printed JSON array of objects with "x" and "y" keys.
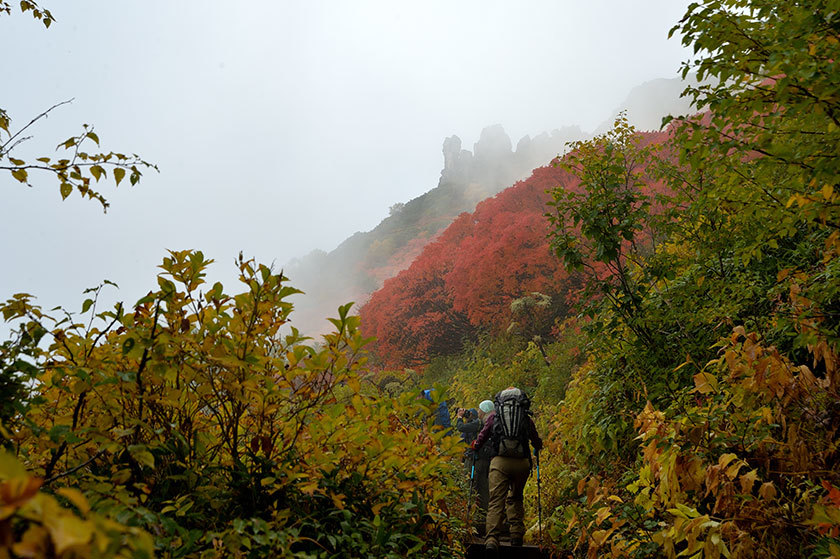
[{"x": 486, "y": 406}]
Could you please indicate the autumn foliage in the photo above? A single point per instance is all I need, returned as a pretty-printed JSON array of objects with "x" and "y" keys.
[
  {"x": 192, "y": 417},
  {"x": 467, "y": 278},
  {"x": 690, "y": 407}
]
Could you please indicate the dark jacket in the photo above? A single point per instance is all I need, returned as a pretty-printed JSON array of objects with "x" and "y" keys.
[
  {"x": 442, "y": 416},
  {"x": 486, "y": 434},
  {"x": 468, "y": 429}
]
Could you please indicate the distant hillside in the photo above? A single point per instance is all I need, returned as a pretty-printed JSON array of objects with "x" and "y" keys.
[
  {"x": 364, "y": 261},
  {"x": 360, "y": 264}
]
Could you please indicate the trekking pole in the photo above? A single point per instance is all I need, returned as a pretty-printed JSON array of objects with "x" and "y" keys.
[
  {"x": 469, "y": 499},
  {"x": 539, "y": 502}
]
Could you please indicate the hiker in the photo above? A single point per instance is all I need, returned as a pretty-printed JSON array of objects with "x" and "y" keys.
[
  {"x": 468, "y": 424},
  {"x": 442, "y": 415},
  {"x": 508, "y": 430},
  {"x": 482, "y": 457}
]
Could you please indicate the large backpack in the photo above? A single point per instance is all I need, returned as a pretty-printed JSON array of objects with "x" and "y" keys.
[{"x": 510, "y": 427}]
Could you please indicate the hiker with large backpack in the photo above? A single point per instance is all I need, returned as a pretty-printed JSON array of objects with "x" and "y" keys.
[{"x": 510, "y": 432}]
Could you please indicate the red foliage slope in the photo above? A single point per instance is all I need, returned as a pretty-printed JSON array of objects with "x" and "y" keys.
[{"x": 467, "y": 278}]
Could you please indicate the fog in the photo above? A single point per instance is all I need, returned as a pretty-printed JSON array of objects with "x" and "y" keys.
[{"x": 283, "y": 127}]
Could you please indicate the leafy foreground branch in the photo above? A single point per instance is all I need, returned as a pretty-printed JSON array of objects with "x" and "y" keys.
[
  {"x": 79, "y": 170},
  {"x": 190, "y": 426}
]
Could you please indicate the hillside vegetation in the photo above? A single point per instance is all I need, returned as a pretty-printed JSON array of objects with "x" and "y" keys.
[
  {"x": 670, "y": 300},
  {"x": 685, "y": 357}
]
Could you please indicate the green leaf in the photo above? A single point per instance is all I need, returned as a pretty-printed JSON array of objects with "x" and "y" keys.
[
  {"x": 93, "y": 137},
  {"x": 86, "y": 305},
  {"x": 97, "y": 172},
  {"x": 140, "y": 453},
  {"x": 57, "y": 432},
  {"x": 128, "y": 345},
  {"x": 66, "y": 189}
]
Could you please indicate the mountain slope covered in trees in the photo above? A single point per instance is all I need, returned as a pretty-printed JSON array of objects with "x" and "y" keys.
[{"x": 360, "y": 264}]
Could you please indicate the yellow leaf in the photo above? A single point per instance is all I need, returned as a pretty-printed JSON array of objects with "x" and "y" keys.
[
  {"x": 748, "y": 480},
  {"x": 97, "y": 172},
  {"x": 767, "y": 491},
  {"x": 20, "y": 175},
  {"x": 34, "y": 543},
  {"x": 76, "y": 497},
  {"x": 599, "y": 537},
  {"x": 68, "y": 530},
  {"x": 10, "y": 467},
  {"x": 725, "y": 459},
  {"x": 308, "y": 488},
  {"x": 121, "y": 476},
  {"x": 827, "y": 191},
  {"x": 705, "y": 383},
  {"x": 119, "y": 174},
  {"x": 16, "y": 492},
  {"x": 732, "y": 471},
  {"x": 602, "y": 514},
  {"x": 338, "y": 500}
]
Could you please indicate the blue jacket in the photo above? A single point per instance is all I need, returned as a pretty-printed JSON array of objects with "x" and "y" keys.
[{"x": 442, "y": 416}]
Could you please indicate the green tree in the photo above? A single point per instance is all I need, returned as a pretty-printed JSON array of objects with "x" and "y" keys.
[
  {"x": 602, "y": 226},
  {"x": 772, "y": 90}
]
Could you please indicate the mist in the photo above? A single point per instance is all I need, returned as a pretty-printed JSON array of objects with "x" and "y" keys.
[{"x": 287, "y": 126}]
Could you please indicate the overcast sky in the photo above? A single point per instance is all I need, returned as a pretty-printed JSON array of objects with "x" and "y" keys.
[{"x": 280, "y": 127}]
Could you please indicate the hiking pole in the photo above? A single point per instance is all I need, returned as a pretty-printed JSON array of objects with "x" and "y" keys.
[
  {"x": 539, "y": 502},
  {"x": 469, "y": 499}
]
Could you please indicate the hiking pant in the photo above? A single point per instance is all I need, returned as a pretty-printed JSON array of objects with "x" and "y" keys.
[
  {"x": 507, "y": 482},
  {"x": 481, "y": 484}
]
